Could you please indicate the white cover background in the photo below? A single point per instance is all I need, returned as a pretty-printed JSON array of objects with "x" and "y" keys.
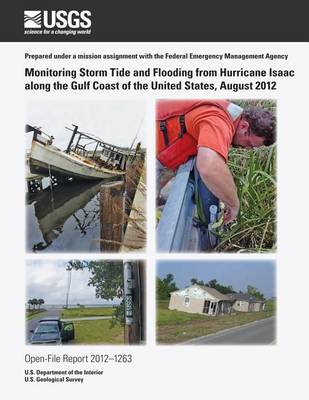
[{"x": 233, "y": 372}]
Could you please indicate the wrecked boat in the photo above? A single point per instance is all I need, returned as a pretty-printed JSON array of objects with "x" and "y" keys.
[{"x": 85, "y": 158}]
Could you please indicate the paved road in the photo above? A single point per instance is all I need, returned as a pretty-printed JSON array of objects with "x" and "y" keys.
[
  {"x": 258, "y": 332},
  {"x": 32, "y": 323}
]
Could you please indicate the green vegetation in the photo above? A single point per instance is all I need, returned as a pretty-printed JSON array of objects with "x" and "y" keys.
[
  {"x": 270, "y": 305},
  {"x": 177, "y": 326},
  {"x": 168, "y": 317},
  {"x": 33, "y": 313},
  {"x": 253, "y": 292},
  {"x": 97, "y": 332},
  {"x": 35, "y": 302},
  {"x": 87, "y": 312},
  {"x": 213, "y": 283},
  {"x": 254, "y": 172},
  {"x": 107, "y": 279},
  {"x": 165, "y": 287}
]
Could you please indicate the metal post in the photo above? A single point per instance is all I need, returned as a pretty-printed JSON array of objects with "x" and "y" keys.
[
  {"x": 77, "y": 142},
  {"x": 69, "y": 269},
  {"x": 95, "y": 150},
  {"x": 72, "y": 138},
  {"x": 175, "y": 226}
]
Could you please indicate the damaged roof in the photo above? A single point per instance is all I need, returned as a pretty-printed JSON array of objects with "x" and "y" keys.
[
  {"x": 214, "y": 292},
  {"x": 231, "y": 297},
  {"x": 243, "y": 297}
]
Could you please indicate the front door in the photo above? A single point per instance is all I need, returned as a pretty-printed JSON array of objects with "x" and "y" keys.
[
  {"x": 213, "y": 308},
  {"x": 206, "y": 307}
]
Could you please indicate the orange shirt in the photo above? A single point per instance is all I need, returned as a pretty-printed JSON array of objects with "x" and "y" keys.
[
  {"x": 208, "y": 121},
  {"x": 212, "y": 128}
]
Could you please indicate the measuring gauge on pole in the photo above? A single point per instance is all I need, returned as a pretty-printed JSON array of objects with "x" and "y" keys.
[
  {"x": 213, "y": 210},
  {"x": 129, "y": 284}
]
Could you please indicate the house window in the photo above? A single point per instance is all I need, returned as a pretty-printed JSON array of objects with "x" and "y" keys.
[{"x": 187, "y": 301}]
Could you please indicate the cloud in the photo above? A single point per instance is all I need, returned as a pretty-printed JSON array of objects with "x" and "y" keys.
[
  {"x": 48, "y": 280},
  {"x": 115, "y": 122}
]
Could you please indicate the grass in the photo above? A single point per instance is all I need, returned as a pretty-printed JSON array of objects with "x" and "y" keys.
[
  {"x": 271, "y": 305},
  {"x": 33, "y": 313},
  {"x": 97, "y": 332},
  {"x": 87, "y": 312},
  {"x": 254, "y": 173},
  {"x": 166, "y": 316},
  {"x": 177, "y": 326}
]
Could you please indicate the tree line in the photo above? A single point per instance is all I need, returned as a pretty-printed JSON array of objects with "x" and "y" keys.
[
  {"x": 35, "y": 302},
  {"x": 167, "y": 285}
]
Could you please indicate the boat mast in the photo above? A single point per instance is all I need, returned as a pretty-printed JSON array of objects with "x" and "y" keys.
[{"x": 72, "y": 138}]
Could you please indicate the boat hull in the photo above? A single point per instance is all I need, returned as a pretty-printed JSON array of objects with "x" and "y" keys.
[
  {"x": 60, "y": 203},
  {"x": 48, "y": 160}
]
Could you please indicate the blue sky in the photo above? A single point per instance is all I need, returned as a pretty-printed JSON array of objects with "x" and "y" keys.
[{"x": 239, "y": 274}]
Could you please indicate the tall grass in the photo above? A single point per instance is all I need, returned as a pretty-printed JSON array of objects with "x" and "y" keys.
[{"x": 254, "y": 173}]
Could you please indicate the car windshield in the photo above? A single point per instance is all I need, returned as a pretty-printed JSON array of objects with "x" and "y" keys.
[{"x": 47, "y": 328}]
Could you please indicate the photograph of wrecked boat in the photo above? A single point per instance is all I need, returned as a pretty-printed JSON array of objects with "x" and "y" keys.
[
  {"x": 86, "y": 156},
  {"x": 88, "y": 197}
]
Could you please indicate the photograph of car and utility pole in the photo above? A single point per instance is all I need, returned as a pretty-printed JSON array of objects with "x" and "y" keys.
[
  {"x": 216, "y": 175},
  {"x": 81, "y": 302},
  {"x": 216, "y": 302},
  {"x": 85, "y": 177}
]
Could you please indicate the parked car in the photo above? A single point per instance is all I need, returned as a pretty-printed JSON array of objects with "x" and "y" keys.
[{"x": 51, "y": 330}]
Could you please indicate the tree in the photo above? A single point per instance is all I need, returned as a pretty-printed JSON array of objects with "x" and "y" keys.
[
  {"x": 29, "y": 302},
  {"x": 107, "y": 279},
  {"x": 105, "y": 276},
  {"x": 194, "y": 281},
  {"x": 213, "y": 283},
  {"x": 253, "y": 292},
  {"x": 40, "y": 302},
  {"x": 34, "y": 303},
  {"x": 165, "y": 287}
]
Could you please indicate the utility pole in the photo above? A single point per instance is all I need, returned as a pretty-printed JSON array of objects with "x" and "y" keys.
[
  {"x": 69, "y": 269},
  {"x": 134, "y": 292}
]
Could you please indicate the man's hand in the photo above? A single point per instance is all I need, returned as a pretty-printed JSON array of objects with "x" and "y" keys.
[
  {"x": 230, "y": 214},
  {"x": 218, "y": 178}
]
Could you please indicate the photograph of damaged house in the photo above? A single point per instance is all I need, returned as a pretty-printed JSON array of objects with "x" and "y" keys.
[{"x": 216, "y": 302}]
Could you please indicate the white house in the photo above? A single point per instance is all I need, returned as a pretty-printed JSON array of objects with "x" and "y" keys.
[{"x": 200, "y": 300}]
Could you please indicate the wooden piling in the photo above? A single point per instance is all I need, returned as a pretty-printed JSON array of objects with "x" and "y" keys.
[
  {"x": 133, "y": 174},
  {"x": 142, "y": 296},
  {"x": 112, "y": 204}
]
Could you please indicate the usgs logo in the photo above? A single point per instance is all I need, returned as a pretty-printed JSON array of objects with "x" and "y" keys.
[{"x": 57, "y": 19}]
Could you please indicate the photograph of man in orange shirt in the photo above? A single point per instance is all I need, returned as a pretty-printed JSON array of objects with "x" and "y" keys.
[{"x": 207, "y": 129}]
